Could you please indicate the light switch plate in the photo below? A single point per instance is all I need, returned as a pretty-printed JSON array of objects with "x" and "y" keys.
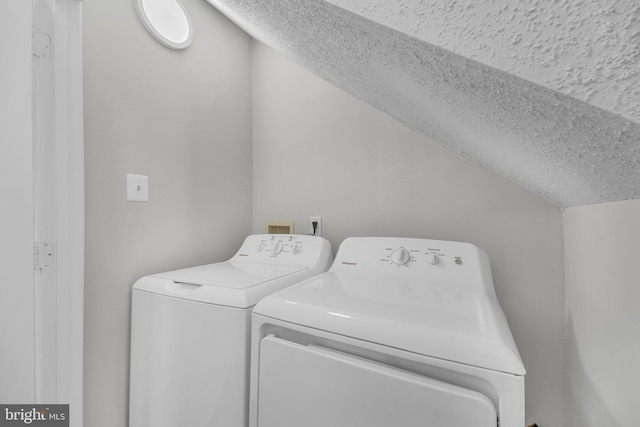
[{"x": 137, "y": 188}]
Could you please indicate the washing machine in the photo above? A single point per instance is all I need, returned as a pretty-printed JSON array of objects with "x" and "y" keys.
[
  {"x": 190, "y": 344},
  {"x": 399, "y": 332}
]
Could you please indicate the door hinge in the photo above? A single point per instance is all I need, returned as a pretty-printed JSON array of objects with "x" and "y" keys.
[
  {"x": 42, "y": 255},
  {"x": 42, "y": 46}
]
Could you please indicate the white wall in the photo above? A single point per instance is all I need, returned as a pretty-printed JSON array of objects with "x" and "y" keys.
[
  {"x": 183, "y": 119},
  {"x": 602, "y": 249},
  {"x": 319, "y": 151},
  {"x": 17, "y": 379}
]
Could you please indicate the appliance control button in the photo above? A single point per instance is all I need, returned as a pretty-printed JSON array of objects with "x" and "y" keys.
[
  {"x": 277, "y": 248},
  {"x": 432, "y": 259},
  {"x": 296, "y": 249},
  {"x": 261, "y": 247},
  {"x": 400, "y": 256}
]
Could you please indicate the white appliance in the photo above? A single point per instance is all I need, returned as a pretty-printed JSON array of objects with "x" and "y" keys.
[
  {"x": 399, "y": 332},
  {"x": 190, "y": 345}
]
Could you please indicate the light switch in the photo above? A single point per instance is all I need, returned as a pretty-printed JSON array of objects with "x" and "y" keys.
[{"x": 137, "y": 188}]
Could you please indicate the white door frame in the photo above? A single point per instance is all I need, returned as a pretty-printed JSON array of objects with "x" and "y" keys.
[{"x": 59, "y": 202}]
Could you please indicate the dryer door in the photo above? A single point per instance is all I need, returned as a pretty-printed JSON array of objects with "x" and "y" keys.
[{"x": 317, "y": 387}]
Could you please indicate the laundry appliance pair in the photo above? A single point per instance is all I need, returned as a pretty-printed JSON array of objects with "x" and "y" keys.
[{"x": 395, "y": 332}]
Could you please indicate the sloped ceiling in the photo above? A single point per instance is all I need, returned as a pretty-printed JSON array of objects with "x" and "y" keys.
[{"x": 544, "y": 92}]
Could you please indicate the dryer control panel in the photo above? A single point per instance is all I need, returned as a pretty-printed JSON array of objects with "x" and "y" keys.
[{"x": 436, "y": 261}]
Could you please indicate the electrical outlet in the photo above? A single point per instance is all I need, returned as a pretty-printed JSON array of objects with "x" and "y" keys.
[{"x": 317, "y": 221}]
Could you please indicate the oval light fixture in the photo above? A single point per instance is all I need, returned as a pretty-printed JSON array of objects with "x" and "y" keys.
[{"x": 167, "y": 21}]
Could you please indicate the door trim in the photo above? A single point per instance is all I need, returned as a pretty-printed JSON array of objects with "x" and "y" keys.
[{"x": 59, "y": 205}]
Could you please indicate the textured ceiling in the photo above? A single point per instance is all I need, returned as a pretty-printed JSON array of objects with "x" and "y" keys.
[
  {"x": 566, "y": 128},
  {"x": 589, "y": 49}
]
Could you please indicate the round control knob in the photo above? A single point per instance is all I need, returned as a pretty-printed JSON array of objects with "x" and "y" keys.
[
  {"x": 261, "y": 247},
  {"x": 296, "y": 249},
  {"x": 400, "y": 256},
  {"x": 277, "y": 248},
  {"x": 432, "y": 259}
]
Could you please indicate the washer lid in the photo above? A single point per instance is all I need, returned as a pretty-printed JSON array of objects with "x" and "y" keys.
[
  {"x": 454, "y": 324},
  {"x": 231, "y": 283}
]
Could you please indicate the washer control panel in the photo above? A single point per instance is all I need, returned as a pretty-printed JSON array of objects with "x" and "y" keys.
[
  {"x": 275, "y": 246},
  {"x": 284, "y": 249},
  {"x": 437, "y": 261}
]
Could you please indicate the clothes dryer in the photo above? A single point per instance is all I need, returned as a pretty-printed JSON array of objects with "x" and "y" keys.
[
  {"x": 402, "y": 332},
  {"x": 190, "y": 344}
]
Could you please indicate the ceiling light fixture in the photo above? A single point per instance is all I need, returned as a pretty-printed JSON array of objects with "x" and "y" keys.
[{"x": 167, "y": 21}]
